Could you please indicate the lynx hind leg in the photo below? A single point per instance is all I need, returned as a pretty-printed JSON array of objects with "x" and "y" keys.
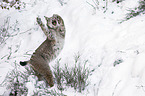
[
  {"x": 39, "y": 76},
  {"x": 49, "y": 79},
  {"x": 45, "y": 74},
  {"x": 46, "y": 79},
  {"x": 41, "y": 66}
]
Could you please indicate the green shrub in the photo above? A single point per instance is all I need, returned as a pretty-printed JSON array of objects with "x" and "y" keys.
[
  {"x": 136, "y": 11},
  {"x": 42, "y": 90},
  {"x": 17, "y": 4},
  {"x": 118, "y": 61},
  {"x": 16, "y": 81},
  {"x": 8, "y": 30},
  {"x": 75, "y": 77}
]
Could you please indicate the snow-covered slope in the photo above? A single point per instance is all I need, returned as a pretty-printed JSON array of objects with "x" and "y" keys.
[{"x": 96, "y": 35}]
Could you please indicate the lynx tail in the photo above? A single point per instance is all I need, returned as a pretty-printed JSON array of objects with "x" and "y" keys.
[{"x": 23, "y": 63}]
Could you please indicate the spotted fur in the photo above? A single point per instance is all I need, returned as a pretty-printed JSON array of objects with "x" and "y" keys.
[{"x": 49, "y": 49}]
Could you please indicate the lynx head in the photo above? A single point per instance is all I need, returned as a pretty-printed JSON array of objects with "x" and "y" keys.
[{"x": 55, "y": 23}]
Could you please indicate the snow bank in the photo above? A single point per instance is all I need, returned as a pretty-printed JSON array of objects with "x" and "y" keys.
[{"x": 97, "y": 36}]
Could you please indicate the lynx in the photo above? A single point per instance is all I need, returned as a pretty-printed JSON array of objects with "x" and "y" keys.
[{"x": 49, "y": 49}]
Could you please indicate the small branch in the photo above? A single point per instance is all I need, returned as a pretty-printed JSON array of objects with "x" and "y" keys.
[
  {"x": 26, "y": 31},
  {"x": 115, "y": 88},
  {"x": 10, "y": 53},
  {"x": 106, "y": 2},
  {"x": 4, "y": 56},
  {"x": 99, "y": 86},
  {"x": 60, "y": 2},
  {"x": 141, "y": 86},
  {"x": 92, "y": 6},
  {"x": 96, "y": 3}
]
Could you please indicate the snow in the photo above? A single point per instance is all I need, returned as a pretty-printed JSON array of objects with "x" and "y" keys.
[{"x": 98, "y": 36}]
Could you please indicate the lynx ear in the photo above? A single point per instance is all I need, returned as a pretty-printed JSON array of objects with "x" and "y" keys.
[
  {"x": 46, "y": 18},
  {"x": 54, "y": 15}
]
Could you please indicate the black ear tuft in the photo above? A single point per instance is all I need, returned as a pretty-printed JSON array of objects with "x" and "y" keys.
[
  {"x": 23, "y": 63},
  {"x": 46, "y": 18}
]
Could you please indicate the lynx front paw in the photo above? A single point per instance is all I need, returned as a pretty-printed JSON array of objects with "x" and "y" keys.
[{"x": 39, "y": 21}]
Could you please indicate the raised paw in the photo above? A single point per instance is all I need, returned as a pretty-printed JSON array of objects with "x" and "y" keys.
[{"x": 39, "y": 21}]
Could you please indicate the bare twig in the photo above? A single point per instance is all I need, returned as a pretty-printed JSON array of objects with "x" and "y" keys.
[
  {"x": 98, "y": 87},
  {"x": 141, "y": 86},
  {"x": 106, "y": 6},
  {"x": 93, "y": 6},
  {"x": 26, "y": 31},
  {"x": 115, "y": 88}
]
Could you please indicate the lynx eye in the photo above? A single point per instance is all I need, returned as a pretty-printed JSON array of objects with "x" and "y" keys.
[{"x": 54, "y": 22}]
